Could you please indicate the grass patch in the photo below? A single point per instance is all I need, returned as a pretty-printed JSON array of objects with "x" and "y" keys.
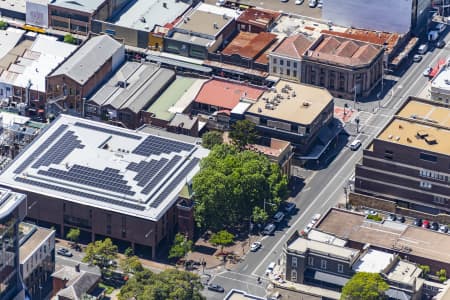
[
  {"x": 376, "y": 217},
  {"x": 108, "y": 289}
]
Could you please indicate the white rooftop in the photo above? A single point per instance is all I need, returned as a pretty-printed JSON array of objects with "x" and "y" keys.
[
  {"x": 374, "y": 261},
  {"x": 441, "y": 82},
  {"x": 289, "y": 25},
  {"x": 404, "y": 272},
  {"x": 302, "y": 245},
  {"x": 323, "y": 237},
  {"x": 14, "y": 5},
  {"x": 9, "y": 201},
  {"x": 145, "y": 14},
  {"x": 44, "y": 55},
  {"x": 9, "y": 39},
  {"x": 104, "y": 166},
  {"x": 241, "y": 108},
  {"x": 88, "y": 6}
]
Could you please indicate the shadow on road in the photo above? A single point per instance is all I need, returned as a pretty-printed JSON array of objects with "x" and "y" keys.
[{"x": 330, "y": 154}]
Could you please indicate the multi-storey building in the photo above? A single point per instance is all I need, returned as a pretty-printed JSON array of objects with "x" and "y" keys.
[
  {"x": 409, "y": 161},
  {"x": 13, "y": 207}
]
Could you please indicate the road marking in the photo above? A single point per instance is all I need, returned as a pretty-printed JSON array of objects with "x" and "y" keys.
[
  {"x": 245, "y": 268},
  {"x": 230, "y": 278}
]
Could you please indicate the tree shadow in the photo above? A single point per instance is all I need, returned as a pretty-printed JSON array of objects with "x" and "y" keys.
[
  {"x": 296, "y": 184},
  {"x": 205, "y": 249}
]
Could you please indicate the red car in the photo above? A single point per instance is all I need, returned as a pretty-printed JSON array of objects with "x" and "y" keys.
[{"x": 426, "y": 224}]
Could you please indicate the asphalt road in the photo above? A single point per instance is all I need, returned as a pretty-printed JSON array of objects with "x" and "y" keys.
[{"x": 324, "y": 187}]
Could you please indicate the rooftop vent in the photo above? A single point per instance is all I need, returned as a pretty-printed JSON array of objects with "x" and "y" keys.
[
  {"x": 143, "y": 20},
  {"x": 390, "y": 137},
  {"x": 216, "y": 26},
  {"x": 164, "y": 4},
  {"x": 422, "y": 134},
  {"x": 408, "y": 140},
  {"x": 431, "y": 140},
  {"x": 306, "y": 104},
  {"x": 397, "y": 138}
]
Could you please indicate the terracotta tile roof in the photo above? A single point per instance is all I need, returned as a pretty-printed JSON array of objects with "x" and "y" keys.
[
  {"x": 344, "y": 51},
  {"x": 250, "y": 45},
  {"x": 226, "y": 94},
  {"x": 261, "y": 18},
  {"x": 293, "y": 46}
]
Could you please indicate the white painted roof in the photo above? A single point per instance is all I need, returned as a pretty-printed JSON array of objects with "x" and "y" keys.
[{"x": 374, "y": 261}]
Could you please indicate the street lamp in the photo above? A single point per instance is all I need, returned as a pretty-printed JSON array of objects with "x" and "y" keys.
[
  {"x": 357, "y": 124},
  {"x": 345, "y": 106},
  {"x": 346, "y": 196}
]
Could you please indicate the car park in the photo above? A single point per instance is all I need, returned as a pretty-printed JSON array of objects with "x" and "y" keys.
[
  {"x": 289, "y": 207},
  {"x": 427, "y": 71},
  {"x": 270, "y": 268},
  {"x": 440, "y": 44},
  {"x": 417, "y": 58},
  {"x": 64, "y": 252},
  {"x": 443, "y": 228},
  {"x": 425, "y": 224},
  {"x": 255, "y": 246},
  {"x": 355, "y": 145},
  {"x": 278, "y": 217},
  {"x": 417, "y": 222},
  {"x": 392, "y": 217},
  {"x": 269, "y": 229},
  {"x": 216, "y": 288},
  {"x": 434, "y": 226},
  {"x": 299, "y": 2}
]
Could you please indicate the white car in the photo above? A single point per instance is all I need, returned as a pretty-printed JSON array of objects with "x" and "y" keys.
[
  {"x": 220, "y": 2},
  {"x": 427, "y": 71},
  {"x": 315, "y": 218},
  {"x": 312, "y": 3},
  {"x": 355, "y": 145},
  {"x": 255, "y": 246},
  {"x": 270, "y": 268},
  {"x": 299, "y": 2},
  {"x": 320, "y": 4},
  {"x": 308, "y": 228}
]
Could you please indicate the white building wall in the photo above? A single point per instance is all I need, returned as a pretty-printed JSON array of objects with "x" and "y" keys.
[
  {"x": 35, "y": 258},
  {"x": 285, "y": 67},
  {"x": 37, "y": 13},
  {"x": 118, "y": 58},
  {"x": 380, "y": 15}
]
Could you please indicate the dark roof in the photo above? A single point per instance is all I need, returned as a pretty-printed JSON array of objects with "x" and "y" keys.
[{"x": 79, "y": 286}]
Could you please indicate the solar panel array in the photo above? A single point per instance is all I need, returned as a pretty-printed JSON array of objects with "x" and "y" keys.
[
  {"x": 147, "y": 170},
  {"x": 58, "y": 131},
  {"x": 157, "y": 145},
  {"x": 80, "y": 193},
  {"x": 56, "y": 154},
  {"x": 175, "y": 181},
  {"x": 109, "y": 179},
  {"x": 109, "y": 131},
  {"x": 160, "y": 175}
]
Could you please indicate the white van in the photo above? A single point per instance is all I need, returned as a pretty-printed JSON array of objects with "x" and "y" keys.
[
  {"x": 355, "y": 145},
  {"x": 422, "y": 49},
  {"x": 270, "y": 268}
]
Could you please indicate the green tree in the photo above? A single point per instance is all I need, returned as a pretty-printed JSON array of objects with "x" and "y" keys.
[
  {"x": 168, "y": 285},
  {"x": 243, "y": 133},
  {"x": 425, "y": 270},
  {"x": 259, "y": 215},
  {"x": 212, "y": 138},
  {"x": 73, "y": 235},
  {"x": 363, "y": 285},
  {"x": 68, "y": 38},
  {"x": 442, "y": 274},
  {"x": 3, "y": 25},
  {"x": 129, "y": 252},
  {"x": 231, "y": 183},
  {"x": 131, "y": 264},
  {"x": 222, "y": 238},
  {"x": 101, "y": 253},
  {"x": 181, "y": 246}
]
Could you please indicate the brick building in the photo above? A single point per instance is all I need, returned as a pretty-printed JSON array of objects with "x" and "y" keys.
[{"x": 257, "y": 20}]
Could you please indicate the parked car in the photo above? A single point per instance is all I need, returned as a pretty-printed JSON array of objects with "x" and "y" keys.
[
  {"x": 443, "y": 228},
  {"x": 422, "y": 49},
  {"x": 216, "y": 288},
  {"x": 401, "y": 219},
  {"x": 312, "y": 3},
  {"x": 284, "y": 0},
  {"x": 320, "y": 4},
  {"x": 64, "y": 252},
  {"x": 289, "y": 207},
  {"x": 434, "y": 226},
  {"x": 417, "y": 222},
  {"x": 440, "y": 44},
  {"x": 308, "y": 228},
  {"x": 392, "y": 217},
  {"x": 255, "y": 246},
  {"x": 220, "y": 2},
  {"x": 441, "y": 27},
  {"x": 270, "y": 268},
  {"x": 426, "y": 224},
  {"x": 315, "y": 218},
  {"x": 299, "y": 2},
  {"x": 269, "y": 229},
  {"x": 355, "y": 145},
  {"x": 417, "y": 58},
  {"x": 427, "y": 71},
  {"x": 278, "y": 217}
]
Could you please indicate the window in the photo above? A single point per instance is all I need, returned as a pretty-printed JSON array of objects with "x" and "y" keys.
[
  {"x": 293, "y": 275},
  {"x": 281, "y": 62},
  {"x": 274, "y": 69},
  {"x": 340, "y": 268},
  {"x": 288, "y": 72},
  {"x": 274, "y": 60},
  {"x": 388, "y": 154},
  {"x": 428, "y": 157},
  {"x": 425, "y": 185},
  {"x": 295, "y": 64},
  {"x": 294, "y": 73},
  {"x": 294, "y": 262},
  {"x": 288, "y": 63},
  {"x": 323, "y": 264},
  {"x": 310, "y": 260},
  {"x": 440, "y": 200}
]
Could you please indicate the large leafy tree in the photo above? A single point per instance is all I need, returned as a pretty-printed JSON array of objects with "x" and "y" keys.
[
  {"x": 181, "y": 246},
  {"x": 100, "y": 253},
  {"x": 231, "y": 183},
  {"x": 243, "y": 133},
  {"x": 363, "y": 285},
  {"x": 168, "y": 285},
  {"x": 212, "y": 138},
  {"x": 73, "y": 235},
  {"x": 222, "y": 238}
]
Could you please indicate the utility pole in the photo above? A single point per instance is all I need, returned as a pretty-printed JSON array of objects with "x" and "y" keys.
[
  {"x": 357, "y": 124},
  {"x": 346, "y": 196}
]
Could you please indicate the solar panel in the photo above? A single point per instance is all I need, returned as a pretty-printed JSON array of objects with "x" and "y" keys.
[
  {"x": 58, "y": 131},
  {"x": 175, "y": 181},
  {"x": 149, "y": 170},
  {"x": 160, "y": 175},
  {"x": 157, "y": 145},
  {"x": 109, "y": 131}
]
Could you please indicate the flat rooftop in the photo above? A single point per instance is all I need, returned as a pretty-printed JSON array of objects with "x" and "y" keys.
[
  {"x": 299, "y": 103},
  {"x": 373, "y": 261},
  {"x": 14, "y": 5},
  {"x": 176, "y": 98},
  {"x": 249, "y": 45},
  {"x": 146, "y": 14},
  {"x": 104, "y": 166},
  {"x": 133, "y": 86},
  {"x": 9, "y": 200},
  {"x": 291, "y": 25},
  {"x": 207, "y": 19},
  {"x": 442, "y": 81},
  {"x": 9, "y": 38},
  {"x": 404, "y": 272},
  {"x": 398, "y": 237},
  {"x": 39, "y": 236},
  {"x": 258, "y": 17},
  {"x": 302, "y": 245},
  {"x": 275, "y": 149},
  {"x": 226, "y": 94},
  {"x": 420, "y": 124},
  {"x": 343, "y": 51},
  {"x": 88, "y": 6}
]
